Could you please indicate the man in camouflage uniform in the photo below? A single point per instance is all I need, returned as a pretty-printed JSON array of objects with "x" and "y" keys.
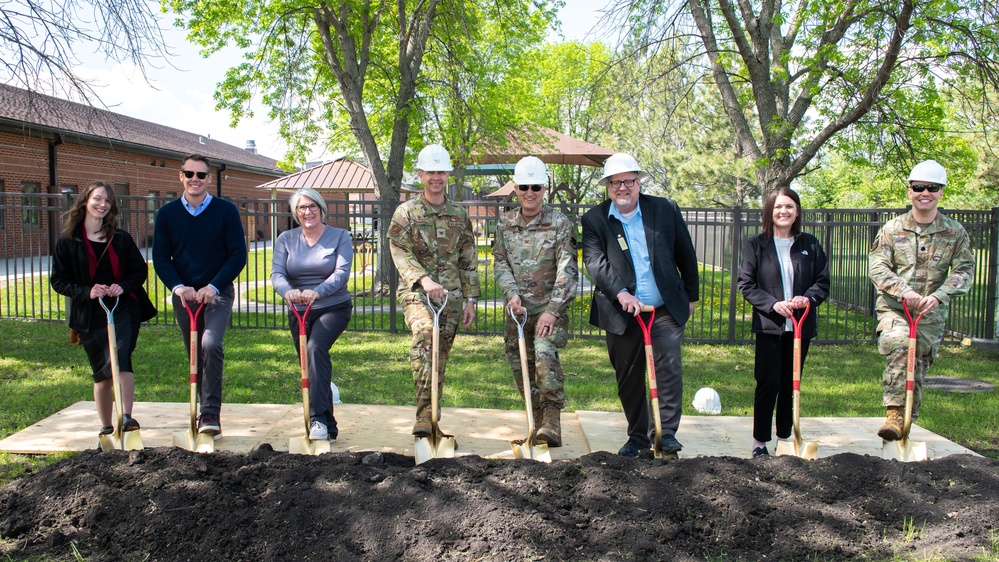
[
  {"x": 434, "y": 250},
  {"x": 925, "y": 258},
  {"x": 535, "y": 253}
]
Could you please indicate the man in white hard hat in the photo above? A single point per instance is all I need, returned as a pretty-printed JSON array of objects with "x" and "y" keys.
[
  {"x": 925, "y": 258},
  {"x": 638, "y": 252},
  {"x": 535, "y": 253},
  {"x": 434, "y": 250}
]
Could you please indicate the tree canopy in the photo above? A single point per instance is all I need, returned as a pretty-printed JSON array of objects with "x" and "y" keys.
[
  {"x": 793, "y": 76},
  {"x": 39, "y": 41}
]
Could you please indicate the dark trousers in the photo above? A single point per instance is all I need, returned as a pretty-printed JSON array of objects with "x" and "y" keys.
[
  {"x": 774, "y": 373},
  {"x": 212, "y": 323},
  {"x": 627, "y": 356},
  {"x": 322, "y": 328}
]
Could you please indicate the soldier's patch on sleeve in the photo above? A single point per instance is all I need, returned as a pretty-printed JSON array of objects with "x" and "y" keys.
[{"x": 394, "y": 230}]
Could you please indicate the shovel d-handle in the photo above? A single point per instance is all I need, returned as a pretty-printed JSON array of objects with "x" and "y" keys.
[
  {"x": 910, "y": 370},
  {"x": 650, "y": 362},
  {"x": 797, "y": 322},
  {"x": 434, "y": 376},
  {"x": 115, "y": 370},
  {"x": 303, "y": 359},
  {"x": 521, "y": 321},
  {"x": 192, "y": 315}
]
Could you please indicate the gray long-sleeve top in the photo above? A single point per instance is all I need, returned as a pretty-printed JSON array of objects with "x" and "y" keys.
[{"x": 323, "y": 267}]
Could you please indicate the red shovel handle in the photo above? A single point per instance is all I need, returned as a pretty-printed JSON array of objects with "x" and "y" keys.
[
  {"x": 192, "y": 315},
  {"x": 912, "y": 323},
  {"x": 799, "y": 321},
  {"x": 301, "y": 317},
  {"x": 647, "y": 326}
]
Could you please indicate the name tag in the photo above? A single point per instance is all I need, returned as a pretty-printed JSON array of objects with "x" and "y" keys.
[{"x": 622, "y": 243}]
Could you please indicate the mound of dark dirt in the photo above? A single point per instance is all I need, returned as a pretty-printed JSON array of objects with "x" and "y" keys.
[{"x": 169, "y": 504}]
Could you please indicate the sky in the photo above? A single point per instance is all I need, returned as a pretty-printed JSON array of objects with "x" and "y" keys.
[{"x": 179, "y": 94}]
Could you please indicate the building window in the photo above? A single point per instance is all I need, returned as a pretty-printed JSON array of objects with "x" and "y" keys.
[
  {"x": 153, "y": 196},
  {"x": 3, "y": 208},
  {"x": 30, "y": 204},
  {"x": 121, "y": 188}
]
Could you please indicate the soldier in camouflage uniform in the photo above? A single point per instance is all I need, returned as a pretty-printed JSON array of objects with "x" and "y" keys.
[
  {"x": 925, "y": 258},
  {"x": 535, "y": 253},
  {"x": 434, "y": 250}
]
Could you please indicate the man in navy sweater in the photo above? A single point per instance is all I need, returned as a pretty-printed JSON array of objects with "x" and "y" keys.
[{"x": 198, "y": 250}]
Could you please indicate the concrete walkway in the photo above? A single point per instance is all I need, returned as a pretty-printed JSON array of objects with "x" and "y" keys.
[{"x": 480, "y": 432}]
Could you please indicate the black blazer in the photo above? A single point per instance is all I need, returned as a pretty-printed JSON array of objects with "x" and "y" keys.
[
  {"x": 70, "y": 276},
  {"x": 760, "y": 282},
  {"x": 671, "y": 251}
]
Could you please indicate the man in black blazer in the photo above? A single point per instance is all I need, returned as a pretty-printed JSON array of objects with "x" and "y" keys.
[{"x": 638, "y": 252}]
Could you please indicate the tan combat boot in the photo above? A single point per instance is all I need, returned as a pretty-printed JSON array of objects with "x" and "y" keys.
[
  {"x": 422, "y": 427},
  {"x": 892, "y": 428},
  {"x": 551, "y": 426}
]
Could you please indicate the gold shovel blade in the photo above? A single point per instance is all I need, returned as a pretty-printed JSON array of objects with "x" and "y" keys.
[
  {"x": 537, "y": 451},
  {"x": 304, "y": 446},
  {"x": 133, "y": 441},
  {"x": 423, "y": 450},
  {"x": 185, "y": 440},
  {"x": 904, "y": 450},
  {"x": 426, "y": 448},
  {"x": 108, "y": 442},
  {"x": 197, "y": 442},
  {"x": 808, "y": 450}
]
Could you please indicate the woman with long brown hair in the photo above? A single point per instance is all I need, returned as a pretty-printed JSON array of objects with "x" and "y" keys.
[
  {"x": 94, "y": 259},
  {"x": 784, "y": 269}
]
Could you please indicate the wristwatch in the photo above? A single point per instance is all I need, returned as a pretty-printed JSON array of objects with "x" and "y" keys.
[{"x": 471, "y": 300}]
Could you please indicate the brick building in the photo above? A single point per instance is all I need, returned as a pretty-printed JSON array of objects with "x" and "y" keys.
[{"x": 50, "y": 147}]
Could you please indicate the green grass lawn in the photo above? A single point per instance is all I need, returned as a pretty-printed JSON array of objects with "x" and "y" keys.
[{"x": 40, "y": 373}]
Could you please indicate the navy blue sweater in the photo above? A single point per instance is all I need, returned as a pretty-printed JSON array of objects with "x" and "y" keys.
[{"x": 197, "y": 251}]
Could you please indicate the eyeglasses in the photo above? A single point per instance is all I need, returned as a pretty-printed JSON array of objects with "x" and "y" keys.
[
  {"x": 932, "y": 188},
  {"x": 614, "y": 184},
  {"x": 534, "y": 188},
  {"x": 190, "y": 174},
  {"x": 312, "y": 208}
]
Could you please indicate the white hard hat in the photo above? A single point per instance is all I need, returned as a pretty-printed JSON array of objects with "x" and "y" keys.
[
  {"x": 619, "y": 164},
  {"x": 434, "y": 158},
  {"x": 929, "y": 171},
  {"x": 707, "y": 401},
  {"x": 530, "y": 171}
]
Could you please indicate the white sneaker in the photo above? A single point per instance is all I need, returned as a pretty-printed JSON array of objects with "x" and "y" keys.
[{"x": 318, "y": 431}]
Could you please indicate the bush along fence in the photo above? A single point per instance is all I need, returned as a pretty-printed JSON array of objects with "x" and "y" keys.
[{"x": 29, "y": 226}]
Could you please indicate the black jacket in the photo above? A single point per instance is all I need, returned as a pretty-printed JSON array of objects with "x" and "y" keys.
[
  {"x": 760, "y": 282},
  {"x": 70, "y": 276},
  {"x": 674, "y": 263}
]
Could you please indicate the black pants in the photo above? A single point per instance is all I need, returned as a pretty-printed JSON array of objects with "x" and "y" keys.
[
  {"x": 322, "y": 328},
  {"x": 627, "y": 356},
  {"x": 774, "y": 373}
]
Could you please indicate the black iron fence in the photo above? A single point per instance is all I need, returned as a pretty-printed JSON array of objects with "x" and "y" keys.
[{"x": 30, "y": 222}]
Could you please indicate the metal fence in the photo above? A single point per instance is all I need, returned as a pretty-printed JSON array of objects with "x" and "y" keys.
[{"x": 29, "y": 226}]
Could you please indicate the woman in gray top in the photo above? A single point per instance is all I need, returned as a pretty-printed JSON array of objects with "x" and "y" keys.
[{"x": 311, "y": 266}]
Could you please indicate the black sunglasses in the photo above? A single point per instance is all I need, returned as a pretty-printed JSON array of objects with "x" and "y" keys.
[
  {"x": 933, "y": 188},
  {"x": 189, "y": 174},
  {"x": 534, "y": 188}
]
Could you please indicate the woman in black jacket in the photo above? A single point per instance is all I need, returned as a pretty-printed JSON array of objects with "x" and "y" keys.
[
  {"x": 94, "y": 259},
  {"x": 783, "y": 269}
]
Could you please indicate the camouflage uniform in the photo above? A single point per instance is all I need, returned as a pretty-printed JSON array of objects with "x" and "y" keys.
[
  {"x": 425, "y": 241},
  {"x": 537, "y": 260},
  {"x": 937, "y": 262}
]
